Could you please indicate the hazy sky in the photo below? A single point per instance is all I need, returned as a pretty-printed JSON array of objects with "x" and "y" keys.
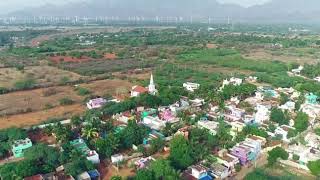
[{"x": 12, "y": 5}]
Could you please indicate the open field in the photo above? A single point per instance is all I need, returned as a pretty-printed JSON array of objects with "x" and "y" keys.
[
  {"x": 34, "y": 118},
  {"x": 35, "y": 100},
  {"x": 38, "y": 99},
  {"x": 269, "y": 55},
  {"x": 43, "y": 75}
]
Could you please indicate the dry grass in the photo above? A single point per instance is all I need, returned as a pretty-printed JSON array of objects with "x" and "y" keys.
[
  {"x": 34, "y": 118},
  {"x": 44, "y": 75},
  {"x": 16, "y": 102},
  {"x": 266, "y": 55}
]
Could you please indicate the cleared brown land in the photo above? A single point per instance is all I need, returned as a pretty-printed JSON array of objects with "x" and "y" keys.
[
  {"x": 34, "y": 118},
  {"x": 44, "y": 75},
  {"x": 22, "y": 101},
  {"x": 266, "y": 55},
  {"x": 35, "y": 100}
]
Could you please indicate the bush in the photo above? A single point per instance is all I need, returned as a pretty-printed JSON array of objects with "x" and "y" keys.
[
  {"x": 25, "y": 84},
  {"x": 66, "y": 101},
  {"x": 276, "y": 153},
  {"x": 295, "y": 157},
  {"x": 82, "y": 91},
  {"x": 237, "y": 167}
]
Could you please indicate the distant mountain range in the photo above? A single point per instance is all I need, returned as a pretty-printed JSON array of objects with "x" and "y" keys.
[{"x": 273, "y": 11}]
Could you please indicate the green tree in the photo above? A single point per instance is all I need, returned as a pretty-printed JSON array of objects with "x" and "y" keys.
[
  {"x": 314, "y": 167},
  {"x": 278, "y": 116},
  {"x": 276, "y": 153},
  {"x": 144, "y": 174},
  {"x": 133, "y": 134},
  {"x": 302, "y": 121},
  {"x": 156, "y": 145},
  {"x": 78, "y": 166},
  {"x": 180, "y": 153},
  {"x": 108, "y": 146},
  {"x": 163, "y": 170},
  {"x": 44, "y": 157}
]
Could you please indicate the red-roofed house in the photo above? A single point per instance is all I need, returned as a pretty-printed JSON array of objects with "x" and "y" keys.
[{"x": 138, "y": 90}]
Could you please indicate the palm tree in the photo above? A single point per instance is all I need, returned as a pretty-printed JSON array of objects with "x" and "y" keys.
[{"x": 90, "y": 132}]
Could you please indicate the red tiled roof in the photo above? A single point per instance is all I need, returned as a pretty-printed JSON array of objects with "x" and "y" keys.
[
  {"x": 140, "y": 89},
  {"x": 36, "y": 177}
]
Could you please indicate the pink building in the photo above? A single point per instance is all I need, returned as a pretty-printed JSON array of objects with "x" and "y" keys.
[{"x": 96, "y": 103}]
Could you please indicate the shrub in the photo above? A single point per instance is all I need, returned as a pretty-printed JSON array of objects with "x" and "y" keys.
[
  {"x": 83, "y": 91},
  {"x": 25, "y": 84},
  {"x": 295, "y": 157},
  {"x": 66, "y": 101}
]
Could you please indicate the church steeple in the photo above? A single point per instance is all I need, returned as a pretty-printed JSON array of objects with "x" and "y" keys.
[{"x": 152, "y": 88}]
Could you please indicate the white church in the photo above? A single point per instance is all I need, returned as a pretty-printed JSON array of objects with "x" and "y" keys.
[{"x": 138, "y": 90}]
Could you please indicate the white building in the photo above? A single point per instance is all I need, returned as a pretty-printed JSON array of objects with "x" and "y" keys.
[
  {"x": 312, "y": 110},
  {"x": 117, "y": 158},
  {"x": 138, "y": 90},
  {"x": 209, "y": 125},
  {"x": 233, "y": 81},
  {"x": 283, "y": 132},
  {"x": 262, "y": 114},
  {"x": 191, "y": 87},
  {"x": 154, "y": 122},
  {"x": 298, "y": 70},
  {"x": 317, "y": 79},
  {"x": 289, "y": 106}
]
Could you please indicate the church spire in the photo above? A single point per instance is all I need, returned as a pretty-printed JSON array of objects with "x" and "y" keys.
[
  {"x": 152, "y": 87},
  {"x": 151, "y": 80}
]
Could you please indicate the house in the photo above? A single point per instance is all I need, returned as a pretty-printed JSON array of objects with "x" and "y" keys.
[
  {"x": 94, "y": 174},
  {"x": 312, "y": 140},
  {"x": 96, "y": 103},
  {"x": 249, "y": 119},
  {"x": 153, "y": 135},
  {"x": 312, "y": 110},
  {"x": 297, "y": 71},
  {"x": 84, "y": 176},
  {"x": 183, "y": 131},
  {"x": 126, "y": 117},
  {"x": 19, "y": 146},
  {"x": 197, "y": 102},
  {"x": 236, "y": 127},
  {"x": 153, "y": 122},
  {"x": 196, "y": 172},
  {"x": 144, "y": 162},
  {"x": 212, "y": 126},
  {"x": 148, "y": 112},
  {"x": 179, "y": 106},
  {"x": 233, "y": 81},
  {"x": 282, "y": 131},
  {"x": 81, "y": 146},
  {"x": 233, "y": 113},
  {"x": 219, "y": 171},
  {"x": 35, "y": 177},
  {"x": 191, "y": 87},
  {"x": 262, "y": 114},
  {"x": 311, "y": 98},
  {"x": 288, "y": 106},
  {"x": 138, "y": 90},
  {"x": 262, "y": 140},
  {"x": 117, "y": 158},
  {"x": 228, "y": 160},
  {"x": 244, "y": 154},
  {"x": 317, "y": 79},
  {"x": 304, "y": 153}
]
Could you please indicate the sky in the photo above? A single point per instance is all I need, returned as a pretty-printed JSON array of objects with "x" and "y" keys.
[{"x": 12, "y": 5}]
